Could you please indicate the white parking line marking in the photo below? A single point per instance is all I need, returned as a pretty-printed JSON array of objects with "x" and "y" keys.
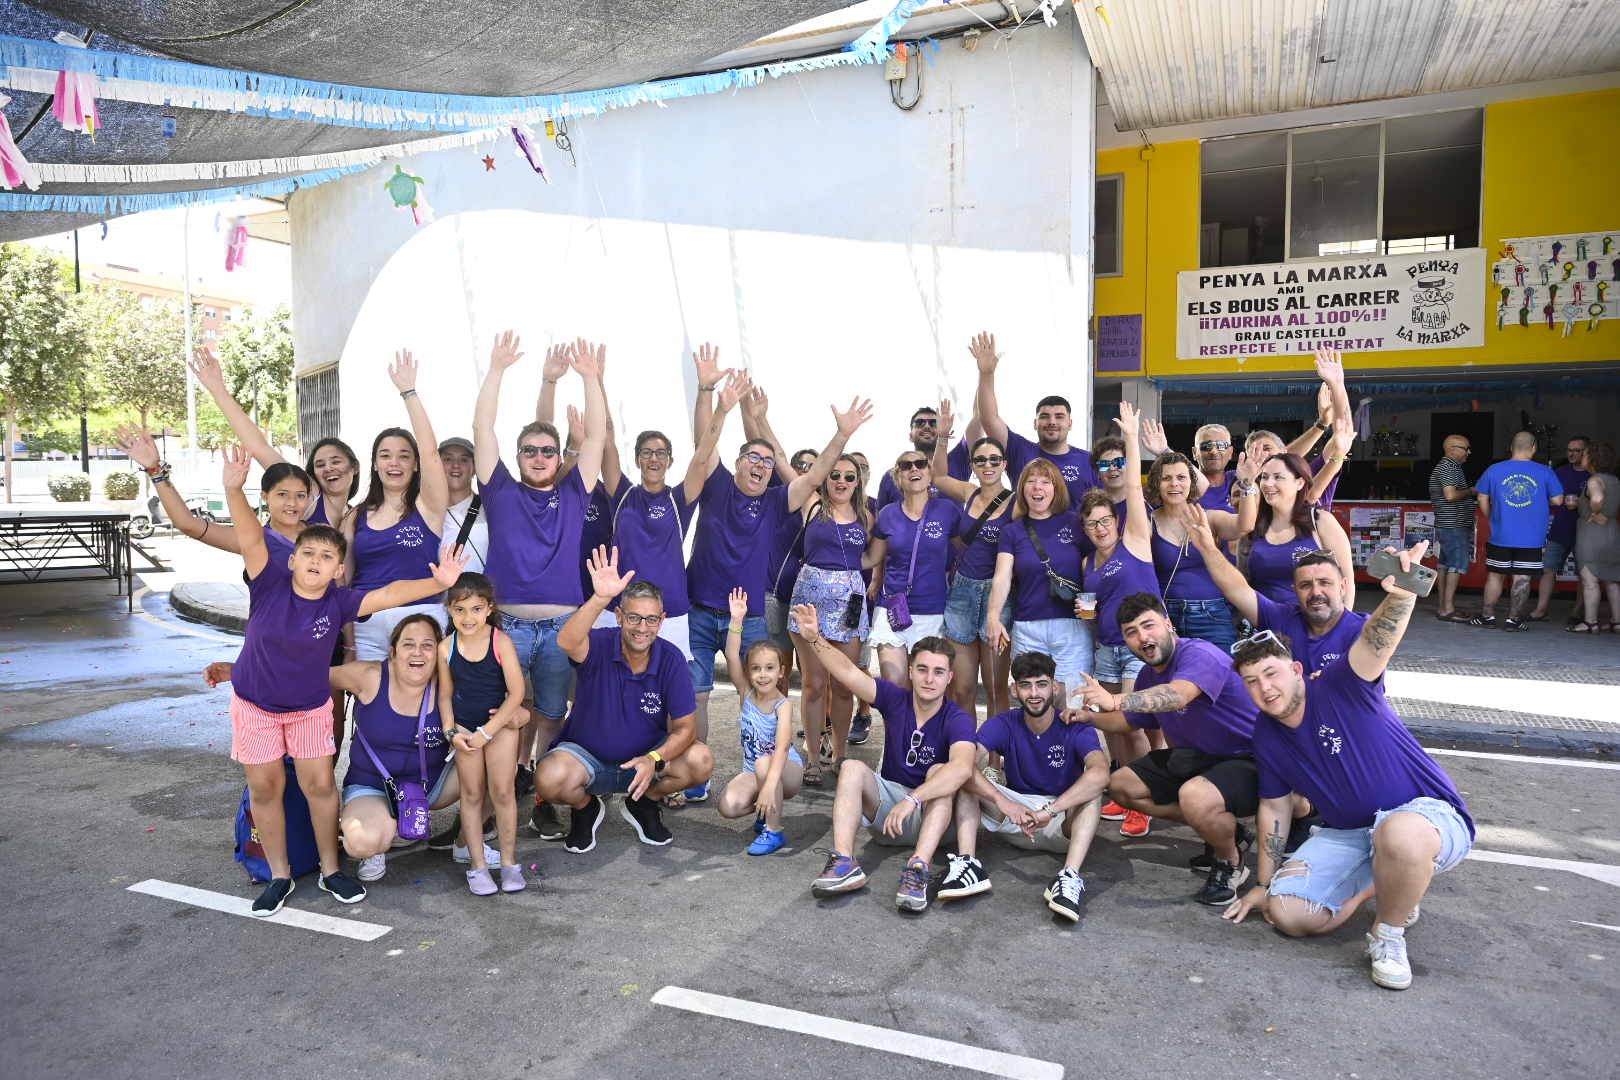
[
  {"x": 1596, "y": 925},
  {"x": 1529, "y": 759},
  {"x": 875, "y": 1038},
  {"x": 1609, "y": 875},
  {"x": 236, "y": 905}
]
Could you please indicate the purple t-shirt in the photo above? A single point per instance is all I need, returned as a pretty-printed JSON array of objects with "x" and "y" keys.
[
  {"x": 402, "y": 552},
  {"x": 940, "y": 521},
  {"x": 1044, "y": 764},
  {"x": 1075, "y": 464},
  {"x": 1325, "y": 503},
  {"x": 534, "y": 539},
  {"x": 288, "y": 645},
  {"x": 392, "y": 737},
  {"x": 830, "y": 545},
  {"x": 948, "y": 726},
  {"x": 619, "y": 714},
  {"x": 1121, "y": 576},
  {"x": 1220, "y": 720},
  {"x": 1564, "y": 520},
  {"x": 978, "y": 559},
  {"x": 958, "y": 468},
  {"x": 650, "y": 533},
  {"x": 1181, "y": 570},
  {"x": 1351, "y": 755},
  {"x": 1315, "y": 653},
  {"x": 1065, "y": 545},
  {"x": 596, "y": 529},
  {"x": 1218, "y": 496},
  {"x": 733, "y": 540},
  {"x": 1271, "y": 566}
]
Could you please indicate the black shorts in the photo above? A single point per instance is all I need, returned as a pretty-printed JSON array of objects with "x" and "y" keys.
[
  {"x": 1164, "y": 771},
  {"x": 1512, "y": 560}
]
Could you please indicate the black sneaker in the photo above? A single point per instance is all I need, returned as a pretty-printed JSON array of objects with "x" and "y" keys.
[
  {"x": 525, "y": 781},
  {"x": 1200, "y": 864},
  {"x": 965, "y": 877},
  {"x": 344, "y": 889},
  {"x": 547, "y": 822},
  {"x": 1221, "y": 887},
  {"x": 643, "y": 816},
  {"x": 275, "y": 894},
  {"x": 1063, "y": 895},
  {"x": 582, "y": 832},
  {"x": 860, "y": 728}
]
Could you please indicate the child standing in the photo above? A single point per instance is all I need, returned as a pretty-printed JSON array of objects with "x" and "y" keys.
[
  {"x": 481, "y": 709},
  {"x": 772, "y": 768}
]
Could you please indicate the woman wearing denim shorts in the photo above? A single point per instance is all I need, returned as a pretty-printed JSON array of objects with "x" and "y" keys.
[
  {"x": 968, "y": 602},
  {"x": 1194, "y": 601}
]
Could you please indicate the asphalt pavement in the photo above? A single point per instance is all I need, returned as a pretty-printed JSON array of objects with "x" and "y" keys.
[{"x": 113, "y": 773}]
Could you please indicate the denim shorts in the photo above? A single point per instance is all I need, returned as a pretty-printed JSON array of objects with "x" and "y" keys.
[
  {"x": 604, "y": 779},
  {"x": 1339, "y": 862},
  {"x": 358, "y": 791},
  {"x": 1553, "y": 555},
  {"x": 967, "y": 606},
  {"x": 1067, "y": 641},
  {"x": 544, "y": 664},
  {"x": 1116, "y": 663},
  {"x": 706, "y": 630},
  {"x": 1456, "y": 549},
  {"x": 1207, "y": 619}
]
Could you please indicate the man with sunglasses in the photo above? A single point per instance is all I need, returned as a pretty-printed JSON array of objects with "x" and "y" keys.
[
  {"x": 1206, "y": 778},
  {"x": 924, "y": 436},
  {"x": 1212, "y": 449},
  {"x": 1392, "y": 817},
  {"x": 1053, "y": 422},
  {"x": 632, "y": 728},
  {"x": 928, "y": 754},
  {"x": 1453, "y": 500}
]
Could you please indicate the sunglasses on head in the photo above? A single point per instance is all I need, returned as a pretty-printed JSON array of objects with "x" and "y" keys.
[
  {"x": 1213, "y": 444},
  {"x": 531, "y": 450},
  {"x": 988, "y": 459},
  {"x": 1301, "y": 555},
  {"x": 1110, "y": 464},
  {"x": 914, "y": 465},
  {"x": 802, "y": 466},
  {"x": 1262, "y": 638},
  {"x": 848, "y": 478}
]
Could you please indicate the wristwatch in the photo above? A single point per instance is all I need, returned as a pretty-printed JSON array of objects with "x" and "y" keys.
[{"x": 659, "y": 764}]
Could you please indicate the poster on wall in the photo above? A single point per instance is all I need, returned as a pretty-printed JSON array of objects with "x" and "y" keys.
[
  {"x": 1377, "y": 302},
  {"x": 1419, "y": 526},
  {"x": 1558, "y": 283},
  {"x": 1372, "y": 528}
]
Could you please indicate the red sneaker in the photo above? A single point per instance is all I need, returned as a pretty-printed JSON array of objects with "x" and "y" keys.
[
  {"x": 1112, "y": 811},
  {"x": 1135, "y": 824}
]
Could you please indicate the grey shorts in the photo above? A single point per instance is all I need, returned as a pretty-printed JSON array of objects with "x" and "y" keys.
[{"x": 890, "y": 795}]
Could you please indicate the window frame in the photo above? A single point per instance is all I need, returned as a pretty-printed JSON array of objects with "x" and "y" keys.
[{"x": 1118, "y": 179}]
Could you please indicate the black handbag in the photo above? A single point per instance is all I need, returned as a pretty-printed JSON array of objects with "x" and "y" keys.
[{"x": 1062, "y": 590}]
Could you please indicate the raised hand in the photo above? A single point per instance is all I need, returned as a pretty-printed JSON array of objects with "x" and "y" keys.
[
  {"x": 1324, "y": 403},
  {"x": 983, "y": 350},
  {"x": 947, "y": 421},
  {"x": 755, "y": 404},
  {"x": 1409, "y": 558},
  {"x": 506, "y": 351},
  {"x": 587, "y": 359},
  {"x": 205, "y": 365},
  {"x": 403, "y": 371},
  {"x": 804, "y": 616},
  {"x": 447, "y": 571},
  {"x": 738, "y": 600},
  {"x": 707, "y": 362},
  {"x": 1095, "y": 696},
  {"x": 1247, "y": 468},
  {"x": 237, "y": 463},
  {"x": 138, "y": 445},
  {"x": 1154, "y": 441},
  {"x": 850, "y": 420},
  {"x": 576, "y": 427},
  {"x": 604, "y": 570},
  {"x": 738, "y": 387},
  {"x": 1344, "y": 433},
  {"x": 1129, "y": 420},
  {"x": 1196, "y": 522},
  {"x": 556, "y": 363},
  {"x": 1329, "y": 366}
]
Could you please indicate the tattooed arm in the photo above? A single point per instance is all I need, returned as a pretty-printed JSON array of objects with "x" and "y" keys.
[
  {"x": 1273, "y": 821},
  {"x": 1372, "y": 651}
]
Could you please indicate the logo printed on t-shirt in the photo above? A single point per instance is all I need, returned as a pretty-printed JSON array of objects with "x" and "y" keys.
[
  {"x": 1518, "y": 490},
  {"x": 1057, "y": 755},
  {"x": 1112, "y": 567},
  {"x": 320, "y": 627},
  {"x": 1065, "y": 535},
  {"x": 752, "y": 508},
  {"x": 656, "y": 511},
  {"x": 1329, "y": 738},
  {"x": 552, "y": 503},
  {"x": 592, "y": 511},
  {"x": 991, "y": 534},
  {"x": 652, "y": 702},
  {"x": 409, "y": 536},
  {"x": 934, "y": 529},
  {"x": 856, "y": 536},
  {"x": 1071, "y": 473}
]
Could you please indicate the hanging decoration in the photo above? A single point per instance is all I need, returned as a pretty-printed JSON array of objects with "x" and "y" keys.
[
  {"x": 523, "y": 135},
  {"x": 15, "y": 170},
  {"x": 489, "y": 163},
  {"x": 1566, "y": 283},
  {"x": 236, "y": 244},
  {"x": 75, "y": 102},
  {"x": 408, "y": 192}
]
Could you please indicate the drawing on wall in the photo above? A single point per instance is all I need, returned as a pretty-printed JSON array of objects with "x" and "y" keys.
[{"x": 1560, "y": 283}]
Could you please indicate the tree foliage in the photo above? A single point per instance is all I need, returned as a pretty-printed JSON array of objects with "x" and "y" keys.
[
  {"x": 44, "y": 364},
  {"x": 140, "y": 348},
  {"x": 256, "y": 355}
]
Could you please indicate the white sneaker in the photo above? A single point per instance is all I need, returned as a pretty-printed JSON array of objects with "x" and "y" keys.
[
  {"x": 1386, "y": 948},
  {"x": 492, "y": 858},
  {"x": 372, "y": 869}
]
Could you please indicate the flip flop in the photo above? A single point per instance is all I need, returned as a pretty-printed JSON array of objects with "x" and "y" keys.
[
  {"x": 1535, "y": 618},
  {"x": 1582, "y": 628},
  {"x": 1452, "y": 616},
  {"x": 675, "y": 800},
  {"x": 812, "y": 776}
]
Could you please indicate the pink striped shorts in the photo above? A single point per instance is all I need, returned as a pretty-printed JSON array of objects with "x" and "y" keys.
[{"x": 259, "y": 737}]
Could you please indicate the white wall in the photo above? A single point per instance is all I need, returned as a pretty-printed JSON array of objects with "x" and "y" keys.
[{"x": 824, "y": 238}]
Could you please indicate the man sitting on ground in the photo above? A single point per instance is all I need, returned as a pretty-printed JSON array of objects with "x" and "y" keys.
[
  {"x": 633, "y": 727},
  {"x": 1206, "y": 777},
  {"x": 1393, "y": 817},
  {"x": 928, "y": 753},
  {"x": 1056, "y": 774}
]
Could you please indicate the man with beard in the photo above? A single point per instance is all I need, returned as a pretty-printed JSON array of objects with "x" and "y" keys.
[
  {"x": 1206, "y": 778},
  {"x": 1053, "y": 422},
  {"x": 1056, "y": 774},
  {"x": 1393, "y": 818},
  {"x": 1319, "y": 625},
  {"x": 924, "y": 434}
]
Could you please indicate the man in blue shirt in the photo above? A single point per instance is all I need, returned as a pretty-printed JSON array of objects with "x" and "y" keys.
[
  {"x": 633, "y": 727},
  {"x": 1519, "y": 496}
]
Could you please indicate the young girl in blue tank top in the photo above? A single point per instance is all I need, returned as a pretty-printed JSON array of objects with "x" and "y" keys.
[
  {"x": 481, "y": 709},
  {"x": 772, "y": 769}
]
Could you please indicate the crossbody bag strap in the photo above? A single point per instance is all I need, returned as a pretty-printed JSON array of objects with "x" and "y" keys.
[
  {"x": 911, "y": 566},
  {"x": 421, "y": 726},
  {"x": 465, "y": 532},
  {"x": 1040, "y": 550},
  {"x": 804, "y": 523},
  {"x": 984, "y": 516}
]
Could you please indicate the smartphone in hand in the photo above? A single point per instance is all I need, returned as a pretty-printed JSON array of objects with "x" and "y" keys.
[{"x": 1419, "y": 580}]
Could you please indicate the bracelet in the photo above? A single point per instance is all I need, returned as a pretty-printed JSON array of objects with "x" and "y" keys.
[
  {"x": 450, "y": 731},
  {"x": 569, "y": 451},
  {"x": 735, "y": 628},
  {"x": 914, "y": 801},
  {"x": 488, "y": 738},
  {"x": 707, "y": 389},
  {"x": 403, "y": 394},
  {"x": 161, "y": 476},
  {"x": 549, "y": 382}
]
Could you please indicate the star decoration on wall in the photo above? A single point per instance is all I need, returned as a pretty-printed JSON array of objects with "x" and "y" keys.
[{"x": 489, "y": 163}]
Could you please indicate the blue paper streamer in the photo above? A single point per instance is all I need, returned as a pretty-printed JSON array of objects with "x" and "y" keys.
[{"x": 13, "y": 202}]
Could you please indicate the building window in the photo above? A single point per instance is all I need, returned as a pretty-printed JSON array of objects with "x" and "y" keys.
[
  {"x": 1404, "y": 185},
  {"x": 1108, "y": 221}
]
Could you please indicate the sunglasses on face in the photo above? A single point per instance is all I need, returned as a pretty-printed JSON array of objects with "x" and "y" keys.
[
  {"x": 802, "y": 466},
  {"x": 1110, "y": 464},
  {"x": 914, "y": 465},
  {"x": 759, "y": 459},
  {"x": 648, "y": 454},
  {"x": 925, "y": 422},
  {"x": 1213, "y": 444},
  {"x": 1262, "y": 638},
  {"x": 848, "y": 478},
  {"x": 642, "y": 620},
  {"x": 916, "y": 744},
  {"x": 1097, "y": 525},
  {"x": 531, "y": 450},
  {"x": 984, "y": 459}
]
